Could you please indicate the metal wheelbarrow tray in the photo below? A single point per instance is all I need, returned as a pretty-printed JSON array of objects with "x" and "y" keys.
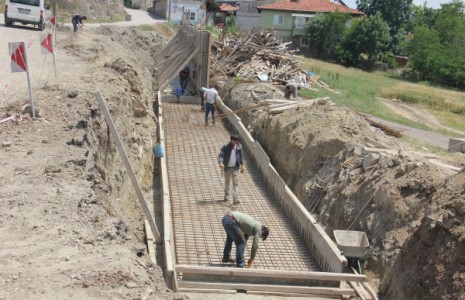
[{"x": 354, "y": 244}]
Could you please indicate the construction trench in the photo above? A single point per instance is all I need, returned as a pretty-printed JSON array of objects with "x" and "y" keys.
[
  {"x": 84, "y": 225},
  {"x": 299, "y": 258},
  {"x": 334, "y": 170}
]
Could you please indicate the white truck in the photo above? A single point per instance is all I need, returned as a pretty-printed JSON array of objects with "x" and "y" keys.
[{"x": 26, "y": 12}]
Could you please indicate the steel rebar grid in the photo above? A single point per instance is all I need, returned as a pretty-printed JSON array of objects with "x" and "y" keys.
[{"x": 197, "y": 185}]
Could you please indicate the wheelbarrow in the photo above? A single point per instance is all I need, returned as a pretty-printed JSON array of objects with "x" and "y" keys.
[{"x": 354, "y": 246}]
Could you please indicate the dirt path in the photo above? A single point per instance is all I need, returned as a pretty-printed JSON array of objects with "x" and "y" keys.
[
  {"x": 428, "y": 137},
  {"x": 417, "y": 115}
]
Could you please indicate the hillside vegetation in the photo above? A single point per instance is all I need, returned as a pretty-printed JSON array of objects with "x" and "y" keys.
[{"x": 362, "y": 91}]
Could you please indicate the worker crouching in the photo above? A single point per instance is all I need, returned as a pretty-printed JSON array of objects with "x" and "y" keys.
[
  {"x": 239, "y": 227},
  {"x": 291, "y": 90}
]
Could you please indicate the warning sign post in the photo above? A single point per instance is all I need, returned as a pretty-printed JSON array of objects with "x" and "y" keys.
[
  {"x": 46, "y": 45},
  {"x": 18, "y": 59},
  {"x": 53, "y": 21}
]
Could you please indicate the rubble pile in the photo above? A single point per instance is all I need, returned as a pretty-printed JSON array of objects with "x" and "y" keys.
[{"x": 254, "y": 55}]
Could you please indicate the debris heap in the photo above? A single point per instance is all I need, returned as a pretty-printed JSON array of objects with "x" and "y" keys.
[{"x": 254, "y": 55}]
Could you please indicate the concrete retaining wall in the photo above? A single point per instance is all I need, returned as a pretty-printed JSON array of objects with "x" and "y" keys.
[
  {"x": 323, "y": 248},
  {"x": 456, "y": 145}
]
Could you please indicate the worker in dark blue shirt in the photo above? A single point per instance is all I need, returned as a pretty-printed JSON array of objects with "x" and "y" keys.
[{"x": 77, "y": 19}]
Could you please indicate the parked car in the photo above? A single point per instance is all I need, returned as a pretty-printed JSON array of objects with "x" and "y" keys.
[{"x": 26, "y": 12}]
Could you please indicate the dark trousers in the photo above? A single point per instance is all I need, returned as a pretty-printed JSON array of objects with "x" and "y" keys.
[
  {"x": 183, "y": 82},
  {"x": 75, "y": 25},
  {"x": 202, "y": 102},
  {"x": 234, "y": 234},
  {"x": 209, "y": 108}
]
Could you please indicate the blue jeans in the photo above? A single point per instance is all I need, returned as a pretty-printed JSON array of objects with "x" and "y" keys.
[
  {"x": 209, "y": 107},
  {"x": 234, "y": 233}
]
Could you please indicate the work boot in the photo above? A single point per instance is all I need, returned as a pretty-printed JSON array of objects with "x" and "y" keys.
[
  {"x": 228, "y": 260},
  {"x": 236, "y": 202}
]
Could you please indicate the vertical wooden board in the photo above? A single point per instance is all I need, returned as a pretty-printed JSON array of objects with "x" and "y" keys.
[
  {"x": 150, "y": 241},
  {"x": 128, "y": 166}
]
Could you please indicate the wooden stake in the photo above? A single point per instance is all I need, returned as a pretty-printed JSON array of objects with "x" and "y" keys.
[{"x": 127, "y": 163}]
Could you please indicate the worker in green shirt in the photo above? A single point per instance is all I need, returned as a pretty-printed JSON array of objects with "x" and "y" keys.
[{"x": 239, "y": 227}]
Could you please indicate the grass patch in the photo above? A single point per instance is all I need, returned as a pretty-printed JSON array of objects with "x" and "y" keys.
[
  {"x": 360, "y": 90},
  {"x": 165, "y": 29},
  {"x": 436, "y": 98}
]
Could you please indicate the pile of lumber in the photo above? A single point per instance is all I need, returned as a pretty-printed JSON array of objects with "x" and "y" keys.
[{"x": 246, "y": 55}]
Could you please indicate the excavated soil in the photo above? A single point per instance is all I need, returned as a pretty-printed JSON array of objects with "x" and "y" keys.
[
  {"x": 71, "y": 226},
  {"x": 352, "y": 176}
]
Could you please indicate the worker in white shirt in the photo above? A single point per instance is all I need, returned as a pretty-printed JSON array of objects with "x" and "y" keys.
[{"x": 211, "y": 97}]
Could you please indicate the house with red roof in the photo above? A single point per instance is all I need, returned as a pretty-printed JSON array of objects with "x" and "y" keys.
[{"x": 289, "y": 17}]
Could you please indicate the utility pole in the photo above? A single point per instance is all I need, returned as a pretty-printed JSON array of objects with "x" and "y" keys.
[{"x": 55, "y": 7}]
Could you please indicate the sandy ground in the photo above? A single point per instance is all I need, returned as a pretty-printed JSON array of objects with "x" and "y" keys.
[{"x": 60, "y": 236}]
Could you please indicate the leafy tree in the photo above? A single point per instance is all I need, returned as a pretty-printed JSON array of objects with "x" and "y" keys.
[
  {"x": 325, "y": 31},
  {"x": 370, "y": 36},
  {"x": 395, "y": 12},
  {"x": 437, "y": 52},
  {"x": 421, "y": 15},
  {"x": 316, "y": 32},
  {"x": 423, "y": 48}
]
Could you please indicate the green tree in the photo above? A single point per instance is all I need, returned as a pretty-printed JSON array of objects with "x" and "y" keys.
[
  {"x": 421, "y": 15},
  {"x": 423, "y": 48},
  {"x": 316, "y": 32},
  {"x": 370, "y": 36},
  {"x": 438, "y": 52},
  {"x": 325, "y": 31},
  {"x": 395, "y": 12}
]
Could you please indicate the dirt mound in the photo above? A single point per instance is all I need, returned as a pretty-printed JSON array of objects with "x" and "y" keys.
[
  {"x": 68, "y": 211},
  {"x": 352, "y": 176},
  {"x": 431, "y": 264},
  {"x": 95, "y": 8}
]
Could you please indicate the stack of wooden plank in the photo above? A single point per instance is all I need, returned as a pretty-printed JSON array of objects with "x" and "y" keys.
[{"x": 246, "y": 55}]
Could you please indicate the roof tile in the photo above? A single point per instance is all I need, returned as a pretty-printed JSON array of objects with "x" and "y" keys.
[{"x": 317, "y": 6}]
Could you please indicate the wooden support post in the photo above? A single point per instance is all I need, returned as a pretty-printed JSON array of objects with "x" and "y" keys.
[
  {"x": 127, "y": 163},
  {"x": 150, "y": 241}
]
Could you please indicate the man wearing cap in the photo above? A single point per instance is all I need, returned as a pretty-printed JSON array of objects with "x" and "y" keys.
[
  {"x": 239, "y": 227},
  {"x": 230, "y": 161}
]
